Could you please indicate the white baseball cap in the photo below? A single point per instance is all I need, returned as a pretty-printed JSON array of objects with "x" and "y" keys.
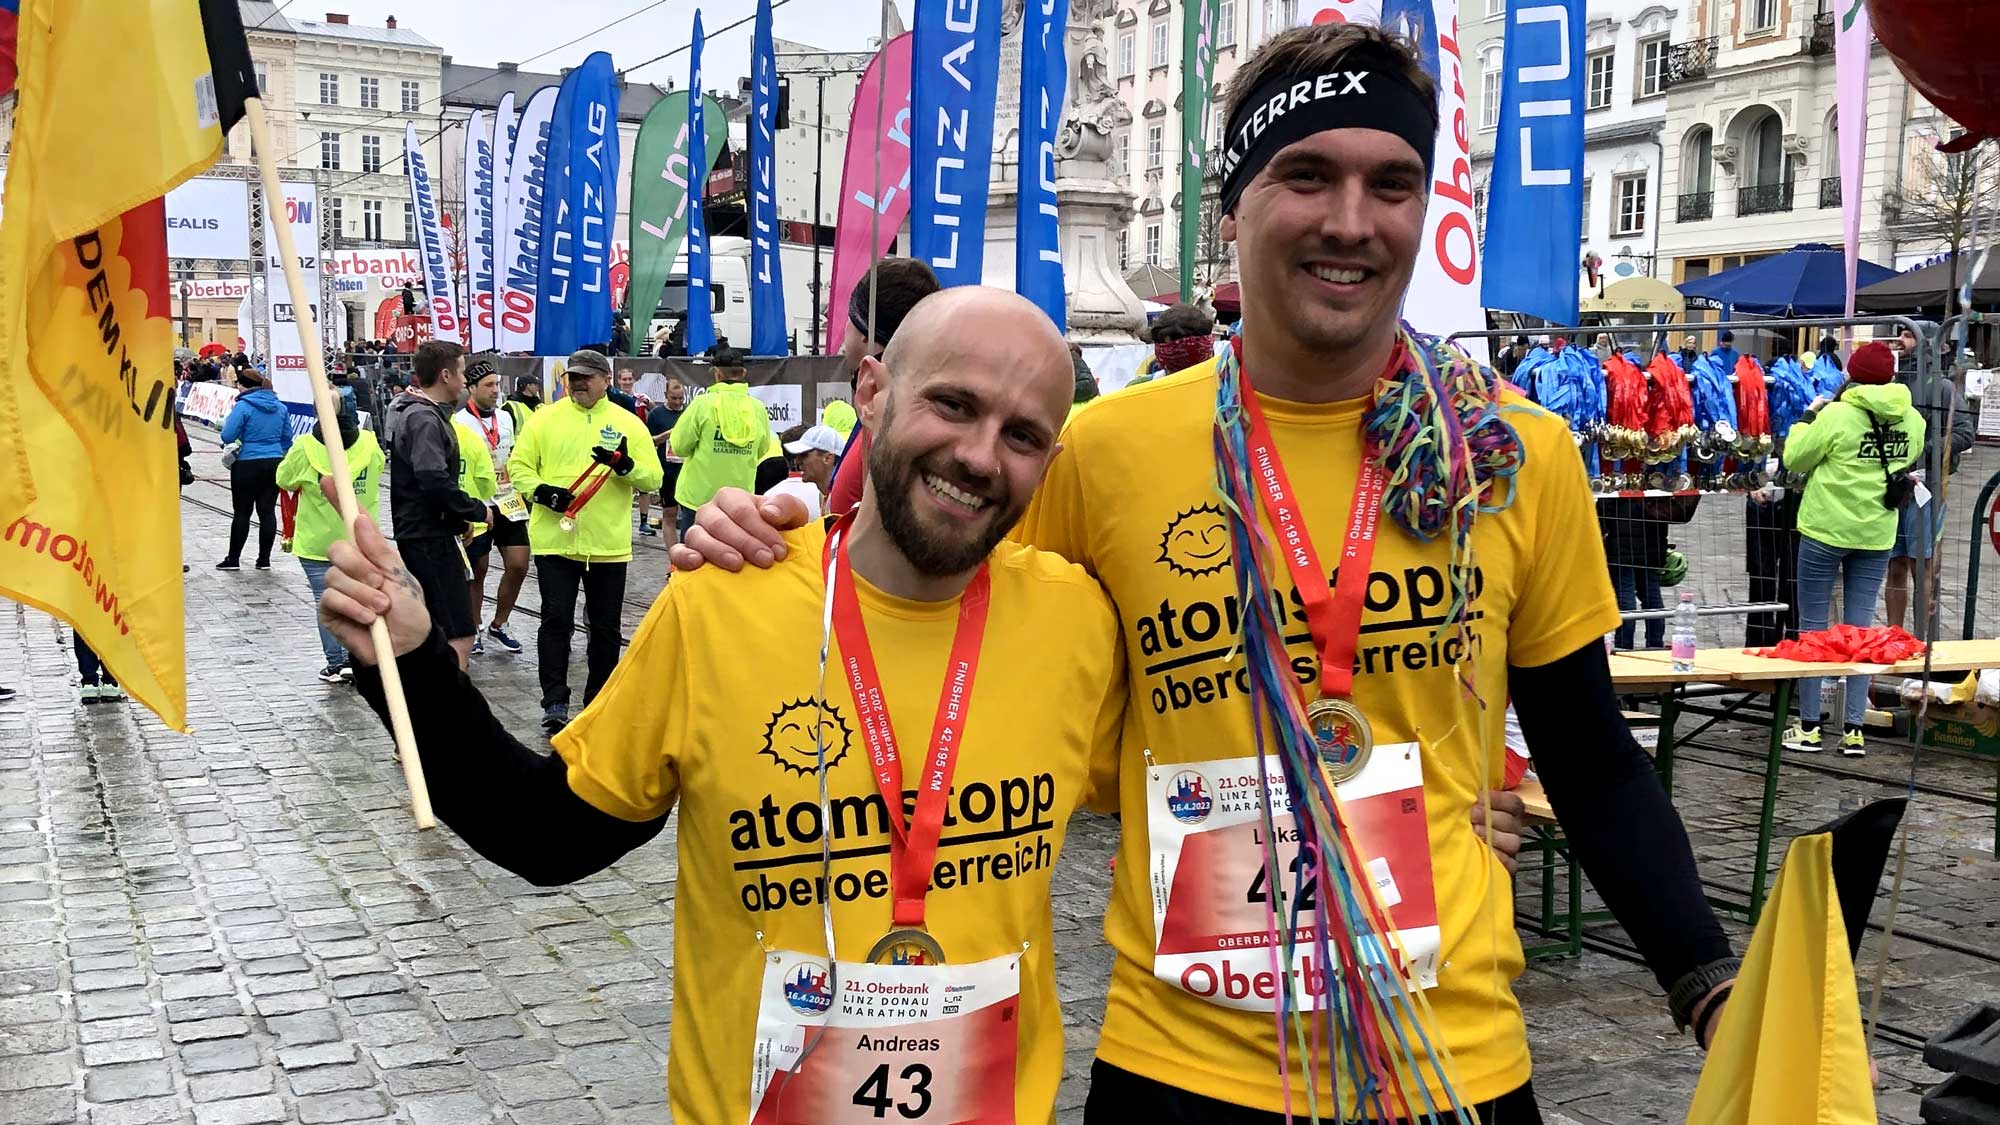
[{"x": 826, "y": 439}]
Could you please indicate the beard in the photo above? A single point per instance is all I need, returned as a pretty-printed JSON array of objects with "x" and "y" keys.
[{"x": 895, "y": 475}]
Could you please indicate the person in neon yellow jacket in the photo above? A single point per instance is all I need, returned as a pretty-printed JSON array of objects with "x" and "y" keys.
[
  {"x": 581, "y": 431},
  {"x": 477, "y": 477},
  {"x": 839, "y": 415},
  {"x": 721, "y": 438},
  {"x": 306, "y": 463}
]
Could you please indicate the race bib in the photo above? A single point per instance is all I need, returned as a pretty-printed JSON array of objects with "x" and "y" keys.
[
  {"x": 922, "y": 1043},
  {"x": 1212, "y": 898},
  {"x": 511, "y": 505}
]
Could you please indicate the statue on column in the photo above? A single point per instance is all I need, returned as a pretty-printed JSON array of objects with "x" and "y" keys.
[{"x": 1095, "y": 109}]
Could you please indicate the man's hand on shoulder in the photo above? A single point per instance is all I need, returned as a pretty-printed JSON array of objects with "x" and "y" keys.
[{"x": 737, "y": 526}]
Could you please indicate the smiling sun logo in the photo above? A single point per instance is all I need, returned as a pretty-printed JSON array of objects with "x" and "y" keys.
[
  {"x": 1197, "y": 542},
  {"x": 788, "y": 737}
]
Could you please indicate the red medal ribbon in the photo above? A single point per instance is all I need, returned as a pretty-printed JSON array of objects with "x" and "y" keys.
[
  {"x": 491, "y": 429},
  {"x": 1334, "y": 618},
  {"x": 912, "y": 846}
]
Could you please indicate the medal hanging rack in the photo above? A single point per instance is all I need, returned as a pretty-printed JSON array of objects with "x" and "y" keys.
[{"x": 1636, "y": 441}]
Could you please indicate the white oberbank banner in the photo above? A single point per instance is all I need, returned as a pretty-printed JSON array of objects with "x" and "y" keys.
[
  {"x": 209, "y": 219},
  {"x": 1444, "y": 291},
  {"x": 287, "y": 361}
]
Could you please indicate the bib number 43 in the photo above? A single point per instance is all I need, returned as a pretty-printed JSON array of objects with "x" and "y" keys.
[{"x": 874, "y": 1094}]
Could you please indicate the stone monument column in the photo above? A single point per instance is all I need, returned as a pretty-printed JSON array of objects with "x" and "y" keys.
[{"x": 1092, "y": 206}]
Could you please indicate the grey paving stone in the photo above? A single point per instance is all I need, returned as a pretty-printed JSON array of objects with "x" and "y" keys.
[
  {"x": 39, "y": 1107},
  {"x": 104, "y": 1005},
  {"x": 219, "y": 1055},
  {"x": 145, "y": 1111},
  {"x": 123, "y": 1050},
  {"x": 101, "y": 980},
  {"x": 327, "y": 1079},
  {"x": 450, "y": 1109},
  {"x": 318, "y": 1054},
  {"x": 203, "y": 1008},
  {"x": 241, "y": 1111},
  {"x": 352, "y": 1105},
  {"x": 196, "y": 985},
  {"x": 29, "y": 1072},
  {"x": 304, "y": 1028},
  {"x": 125, "y": 1081},
  {"x": 222, "y": 1027},
  {"x": 229, "y": 1084}
]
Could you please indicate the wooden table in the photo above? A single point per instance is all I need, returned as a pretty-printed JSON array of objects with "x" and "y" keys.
[{"x": 1733, "y": 671}]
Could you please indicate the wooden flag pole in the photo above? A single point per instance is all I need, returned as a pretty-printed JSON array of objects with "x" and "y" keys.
[{"x": 336, "y": 450}]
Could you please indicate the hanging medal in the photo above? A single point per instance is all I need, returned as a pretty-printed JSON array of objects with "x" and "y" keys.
[
  {"x": 913, "y": 843},
  {"x": 1338, "y": 726}
]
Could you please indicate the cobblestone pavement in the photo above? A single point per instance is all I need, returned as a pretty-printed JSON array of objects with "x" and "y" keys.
[{"x": 244, "y": 926}]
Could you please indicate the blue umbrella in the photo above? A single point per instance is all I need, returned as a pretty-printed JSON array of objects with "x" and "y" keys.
[{"x": 1807, "y": 280}]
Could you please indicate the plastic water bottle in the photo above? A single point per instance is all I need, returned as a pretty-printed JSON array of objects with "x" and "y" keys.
[{"x": 1684, "y": 633}]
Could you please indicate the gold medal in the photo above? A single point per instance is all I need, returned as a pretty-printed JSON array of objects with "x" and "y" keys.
[
  {"x": 1342, "y": 734},
  {"x": 906, "y": 945},
  {"x": 567, "y": 524}
]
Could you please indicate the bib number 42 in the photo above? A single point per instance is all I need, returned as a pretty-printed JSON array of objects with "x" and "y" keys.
[{"x": 874, "y": 1095}]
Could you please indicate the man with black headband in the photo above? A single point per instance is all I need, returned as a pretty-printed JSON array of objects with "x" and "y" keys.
[{"x": 1408, "y": 607}]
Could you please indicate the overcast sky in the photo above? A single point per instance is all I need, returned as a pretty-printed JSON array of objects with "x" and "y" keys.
[{"x": 484, "y": 32}]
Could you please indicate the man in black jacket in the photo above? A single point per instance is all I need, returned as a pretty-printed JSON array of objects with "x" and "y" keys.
[{"x": 429, "y": 512}]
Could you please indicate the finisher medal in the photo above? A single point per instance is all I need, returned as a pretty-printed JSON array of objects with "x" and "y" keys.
[
  {"x": 906, "y": 945},
  {"x": 1343, "y": 736}
]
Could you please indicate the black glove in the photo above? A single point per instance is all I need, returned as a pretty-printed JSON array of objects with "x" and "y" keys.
[
  {"x": 553, "y": 498},
  {"x": 620, "y": 461}
]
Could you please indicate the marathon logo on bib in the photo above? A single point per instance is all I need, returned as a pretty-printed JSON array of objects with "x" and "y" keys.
[
  {"x": 1187, "y": 643},
  {"x": 1214, "y": 908}
]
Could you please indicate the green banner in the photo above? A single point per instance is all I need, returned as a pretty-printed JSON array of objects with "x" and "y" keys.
[
  {"x": 659, "y": 202},
  {"x": 1197, "y": 75}
]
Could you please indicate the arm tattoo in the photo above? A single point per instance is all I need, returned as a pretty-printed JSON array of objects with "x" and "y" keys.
[{"x": 409, "y": 583}]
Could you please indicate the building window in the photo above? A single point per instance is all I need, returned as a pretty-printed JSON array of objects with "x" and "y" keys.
[
  {"x": 1160, "y": 40},
  {"x": 1653, "y": 66},
  {"x": 329, "y": 88},
  {"x": 410, "y": 100},
  {"x": 1127, "y": 63},
  {"x": 329, "y": 151},
  {"x": 371, "y": 153},
  {"x": 1598, "y": 88},
  {"x": 1152, "y": 244},
  {"x": 371, "y": 220},
  {"x": 371, "y": 93},
  {"x": 1585, "y": 232},
  {"x": 1155, "y": 145},
  {"x": 1121, "y": 157},
  {"x": 1631, "y": 194},
  {"x": 1763, "y": 15},
  {"x": 335, "y": 214},
  {"x": 1479, "y": 209},
  {"x": 1124, "y": 249},
  {"x": 1496, "y": 8},
  {"x": 1489, "y": 92},
  {"x": 1225, "y": 23},
  {"x": 409, "y": 221},
  {"x": 263, "y": 79}
]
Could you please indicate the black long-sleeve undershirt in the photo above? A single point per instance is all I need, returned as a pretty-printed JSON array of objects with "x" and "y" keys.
[
  {"x": 1619, "y": 821},
  {"x": 511, "y": 804}
]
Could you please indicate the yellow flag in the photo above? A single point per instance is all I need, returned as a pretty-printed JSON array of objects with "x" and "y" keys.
[
  {"x": 118, "y": 101},
  {"x": 1790, "y": 1046}
]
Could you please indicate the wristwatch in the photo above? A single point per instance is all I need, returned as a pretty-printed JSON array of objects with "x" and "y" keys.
[{"x": 1689, "y": 990}]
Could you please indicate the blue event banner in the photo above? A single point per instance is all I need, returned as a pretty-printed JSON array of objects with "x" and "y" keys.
[
  {"x": 767, "y": 291},
  {"x": 1038, "y": 267},
  {"x": 1534, "y": 205},
  {"x": 954, "y": 77},
  {"x": 580, "y": 196},
  {"x": 700, "y": 334}
]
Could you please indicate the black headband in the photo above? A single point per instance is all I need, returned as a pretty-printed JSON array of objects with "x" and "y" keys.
[{"x": 1287, "y": 108}]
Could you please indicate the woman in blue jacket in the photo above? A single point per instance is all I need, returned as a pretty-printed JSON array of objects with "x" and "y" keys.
[{"x": 264, "y": 426}]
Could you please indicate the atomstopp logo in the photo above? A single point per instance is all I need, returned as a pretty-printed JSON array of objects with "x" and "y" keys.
[
  {"x": 789, "y": 736},
  {"x": 1196, "y": 542},
  {"x": 809, "y": 988},
  {"x": 1188, "y": 797}
]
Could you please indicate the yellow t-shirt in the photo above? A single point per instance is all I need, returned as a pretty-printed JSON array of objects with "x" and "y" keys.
[
  {"x": 730, "y": 742},
  {"x": 1132, "y": 497}
]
